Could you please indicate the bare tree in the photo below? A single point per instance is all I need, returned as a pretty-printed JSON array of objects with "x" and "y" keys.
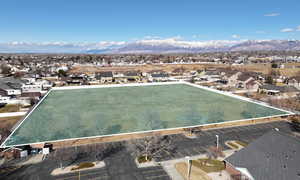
[
  {"x": 5, "y": 69},
  {"x": 59, "y": 156},
  {"x": 4, "y": 133},
  {"x": 150, "y": 147},
  {"x": 295, "y": 122},
  {"x": 99, "y": 151},
  {"x": 62, "y": 155},
  {"x": 214, "y": 152},
  {"x": 191, "y": 130}
]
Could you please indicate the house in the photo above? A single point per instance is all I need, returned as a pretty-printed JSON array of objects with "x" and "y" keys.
[
  {"x": 11, "y": 86},
  {"x": 29, "y": 78},
  {"x": 28, "y": 88},
  {"x": 7, "y": 90},
  {"x": 4, "y": 99},
  {"x": 63, "y": 81},
  {"x": 275, "y": 155},
  {"x": 119, "y": 77},
  {"x": 293, "y": 81},
  {"x": 178, "y": 71},
  {"x": 211, "y": 76},
  {"x": 32, "y": 90},
  {"x": 230, "y": 76},
  {"x": 76, "y": 79},
  {"x": 46, "y": 84},
  {"x": 252, "y": 85},
  {"x": 16, "y": 152},
  {"x": 271, "y": 89},
  {"x": 241, "y": 80},
  {"x": 105, "y": 77},
  {"x": 13, "y": 153},
  {"x": 193, "y": 73},
  {"x": 159, "y": 77},
  {"x": 132, "y": 76},
  {"x": 246, "y": 81}
]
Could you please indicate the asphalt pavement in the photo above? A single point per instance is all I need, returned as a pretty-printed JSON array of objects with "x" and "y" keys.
[{"x": 120, "y": 165}]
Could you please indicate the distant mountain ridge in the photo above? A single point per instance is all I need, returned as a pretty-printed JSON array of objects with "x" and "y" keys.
[
  {"x": 217, "y": 46},
  {"x": 151, "y": 46},
  {"x": 279, "y": 45}
]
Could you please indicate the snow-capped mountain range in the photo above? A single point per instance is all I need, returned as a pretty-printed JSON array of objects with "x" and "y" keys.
[
  {"x": 177, "y": 46},
  {"x": 170, "y": 45}
]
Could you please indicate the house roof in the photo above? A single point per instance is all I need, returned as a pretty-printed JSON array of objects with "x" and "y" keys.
[
  {"x": 159, "y": 75},
  {"x": 275, "y": 155},
  {"x": 297, "y": 78},
  {"x": 131, "y": 73},
  {"x": 279, "y": 88},
  {"x": 104, "y": 74},
  {"x": 244, "y": 77},
  {"x": 252, "y": 82},
  {"x": 4, "y": 86},
  {"x": 178, "y": 70},
  {"x": 11, "y": 83},
  {"x": 229, "y": 72},
  {"x": 12, "y": 80},
  {"x": 211, "y": 73},
  {"x": 156, "y": 72}
]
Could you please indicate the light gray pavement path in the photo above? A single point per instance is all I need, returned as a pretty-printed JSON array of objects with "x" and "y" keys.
[
  {"x": 12, "y": 114},
  {"x": 169, "y": 166}
]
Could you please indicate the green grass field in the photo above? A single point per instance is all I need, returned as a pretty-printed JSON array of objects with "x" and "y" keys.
[{"x": 77, "y": 113}]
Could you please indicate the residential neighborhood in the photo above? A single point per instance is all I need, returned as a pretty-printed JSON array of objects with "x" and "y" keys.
[{"x": 21, "y": 90}]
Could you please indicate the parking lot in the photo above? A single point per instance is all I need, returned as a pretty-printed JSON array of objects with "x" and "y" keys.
[
  {"x": 121, "y": 165},
  {"x": 194, "y": 146},
  {"x": 102, "y": 174}
]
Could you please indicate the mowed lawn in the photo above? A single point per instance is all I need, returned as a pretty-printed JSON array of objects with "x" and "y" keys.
[{"x": 77, "y": 113}]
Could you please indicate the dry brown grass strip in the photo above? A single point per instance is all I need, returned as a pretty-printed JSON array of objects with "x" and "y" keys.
[{"x": 196, "y": 173}]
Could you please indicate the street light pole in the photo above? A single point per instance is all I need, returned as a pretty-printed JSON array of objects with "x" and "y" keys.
[
  {"x": 189, "y": 167},
  {"x": 217, "y": 141}
]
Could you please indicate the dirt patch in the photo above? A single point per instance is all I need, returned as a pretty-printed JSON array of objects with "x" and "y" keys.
[
  {"x": 195, "y": 173},
  {"x": 10, "y": 108},
  {"x": 83, "y": 166},
  {"x": 9, "y": 122},
  {"x": 262, "y": 68},
  {"x": 124, "y": 137},
  {"x": 68, "y": 169},
  {"x": 144, "y": 68},
  {"x": 209, "y": 165},
  {"x": 242, "y": 143}
]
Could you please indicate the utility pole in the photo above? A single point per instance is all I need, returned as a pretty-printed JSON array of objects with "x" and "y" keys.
[
  {"x": 217, "y": 136},
  {"x": 189, "y": 167}
]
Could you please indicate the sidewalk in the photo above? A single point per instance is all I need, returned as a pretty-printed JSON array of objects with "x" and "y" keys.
[
  {"x": 12, "y": 114},
  {"x": 33, "y": 160},
  {"x": 169, "y": 166},
  {"x": 66, "y": 170}
]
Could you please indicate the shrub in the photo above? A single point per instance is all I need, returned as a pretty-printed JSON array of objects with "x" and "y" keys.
[
  {"x": 83, "y": 166},
  {"x": 274, "y": 65},
  {"x": 209, "y": 165},
  {"x": 233, "y": 145},
  {"x": 241, "y": 143},
  {"x": 142, "y": 159}
]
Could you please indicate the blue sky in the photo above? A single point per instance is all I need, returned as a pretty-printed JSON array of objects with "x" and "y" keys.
[{"x": 129, "y": 20}]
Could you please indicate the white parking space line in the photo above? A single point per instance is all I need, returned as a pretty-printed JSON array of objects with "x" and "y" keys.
[{"x": 155, "y": 177}]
